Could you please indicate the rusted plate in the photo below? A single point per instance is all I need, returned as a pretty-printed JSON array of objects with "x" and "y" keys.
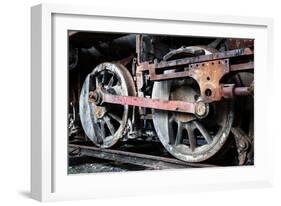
[{"x": 208, "y": 75}]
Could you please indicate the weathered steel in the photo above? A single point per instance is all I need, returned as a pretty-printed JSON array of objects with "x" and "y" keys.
[
  {"x": 148, "y": 161},
  {"x": 181, "y": 135},
  {"x": 208, "y": 75},
  {"x": 242, "y": 67},
  {"x": 145, "y": 66},
  {"x": 190, "y": 115},
  {"x": 178, "y": 134},
  {"x": 176, "y": 75},
  {"x": 176, "y": 106},
  {"x": 231, "y": 91},
  {"x": 243, "y": 144},
  {"x": 103, "y": 125}
]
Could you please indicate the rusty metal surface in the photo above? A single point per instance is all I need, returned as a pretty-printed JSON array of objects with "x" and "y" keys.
[
  {"x": 208, "y": 75},
  {"x": 239, "y": 43},
  {"x": 242, "y": 67},
  {"x": 176, "y": 75},
  {"x": 189, "y": 93},
  {"x": 179, "y": 136},
  {"x": 145, "y": 66},
  {"x": 176, "y": 106},
  {"x": 230, "y": 91}
]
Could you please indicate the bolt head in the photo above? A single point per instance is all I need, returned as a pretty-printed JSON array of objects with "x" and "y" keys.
[
  {"x": 201, "y": 108},
  {"x": 96, "y": 97}
]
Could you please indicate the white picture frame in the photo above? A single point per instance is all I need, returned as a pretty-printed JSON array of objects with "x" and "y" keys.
[{"x": 49, "y": 179}]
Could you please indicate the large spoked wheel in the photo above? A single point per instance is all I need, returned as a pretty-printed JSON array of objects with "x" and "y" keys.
[
  {"x": 104, "y": 125},
  {"x": 185, "y": 136}
]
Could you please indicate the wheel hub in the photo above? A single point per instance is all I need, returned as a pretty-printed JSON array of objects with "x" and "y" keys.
[
  {"x": 201, "y": 110},
  {"x": 187, "y": 94}
]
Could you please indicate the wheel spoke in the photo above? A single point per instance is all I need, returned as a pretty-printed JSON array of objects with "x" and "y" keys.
[
  {"x": 171, "y": 119},
  {"x": 201, "y": 138},
  {"x": 98, "y": 83},
  {"x": 93, "y": 117},
  {"x": 203, "y": 131},
  {"x": 104, "y": 125},
  {"x": 191, "y": 136},
  {"x": 115, "y": 117},
  {"x": 109, "y": 125},
  {"x": 103, "y": 78},
  {"x": 102, "y": 130},
  {"x": 179, "y": 134},
  {"x": 110, "y": 83},
  {"x": 117, "y": 88},
  {"x": 171, "y": 134}
]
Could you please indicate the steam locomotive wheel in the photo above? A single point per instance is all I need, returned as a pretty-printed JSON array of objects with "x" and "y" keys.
[
  {"x": 104, "y": 125},
  {"x": 184, "y": 135}
]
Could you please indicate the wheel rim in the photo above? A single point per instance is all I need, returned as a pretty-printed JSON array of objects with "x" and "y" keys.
[
  {"x": 184, "y": 135},
  {"x": 105, "y": 125}
]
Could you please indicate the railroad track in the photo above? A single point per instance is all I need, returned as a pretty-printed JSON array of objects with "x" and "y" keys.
[{"x": 144, "y": 160}]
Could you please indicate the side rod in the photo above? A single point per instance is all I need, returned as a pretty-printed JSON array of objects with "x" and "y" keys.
[
  {"x": 100, "y": 98},
  {"x": 199, "y": 108}
]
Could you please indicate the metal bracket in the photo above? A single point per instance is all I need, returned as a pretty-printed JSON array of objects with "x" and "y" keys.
[{"x": 243, "y": 144}]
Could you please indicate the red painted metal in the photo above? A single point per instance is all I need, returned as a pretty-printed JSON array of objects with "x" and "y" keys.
[
  {"x": 100, "y": 97},
  {"x": 232, "y": 91},
  {"x": 169, "y": 105}
]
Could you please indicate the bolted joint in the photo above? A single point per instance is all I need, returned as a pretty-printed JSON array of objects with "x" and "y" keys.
[
  {"x": 201, "y": 109},
  {"x": 95, "y": 97}
]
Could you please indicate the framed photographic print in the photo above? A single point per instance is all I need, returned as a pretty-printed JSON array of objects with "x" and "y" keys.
[{"x": 122, "y": 105}]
